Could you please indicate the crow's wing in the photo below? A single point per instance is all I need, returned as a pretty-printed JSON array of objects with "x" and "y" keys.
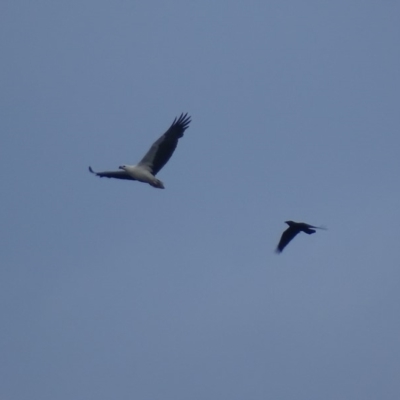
[{"x": 286, "y": 237}]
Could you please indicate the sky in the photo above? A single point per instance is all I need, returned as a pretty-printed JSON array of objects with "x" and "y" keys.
[{"x": 112, "y": 289}]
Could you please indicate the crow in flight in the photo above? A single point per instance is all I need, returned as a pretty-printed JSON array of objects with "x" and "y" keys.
[{"x": 292, "y": 231}]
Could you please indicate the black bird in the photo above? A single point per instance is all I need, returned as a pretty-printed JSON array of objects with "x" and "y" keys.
[{"x": 292, "y": 231}]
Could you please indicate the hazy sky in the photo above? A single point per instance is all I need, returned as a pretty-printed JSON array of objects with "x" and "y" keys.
[{"x": 115, "y": 290}]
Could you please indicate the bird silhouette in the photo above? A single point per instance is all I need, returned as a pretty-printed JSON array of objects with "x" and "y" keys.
[{"x": 293, "y": 230}]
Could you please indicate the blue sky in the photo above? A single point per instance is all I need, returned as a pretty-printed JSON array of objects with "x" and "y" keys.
[{"x": 113, "y": 289}]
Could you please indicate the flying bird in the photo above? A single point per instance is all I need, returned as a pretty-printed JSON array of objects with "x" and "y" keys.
[
  {"x": 292, "y": 231},
  {"x": 158, "y": 155}
]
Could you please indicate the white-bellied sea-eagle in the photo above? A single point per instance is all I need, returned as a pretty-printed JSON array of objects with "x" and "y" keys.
[{"x": 158, "y": 155}]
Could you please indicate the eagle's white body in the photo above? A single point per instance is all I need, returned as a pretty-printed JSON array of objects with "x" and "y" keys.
[{"x": 142, "y": 174}]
